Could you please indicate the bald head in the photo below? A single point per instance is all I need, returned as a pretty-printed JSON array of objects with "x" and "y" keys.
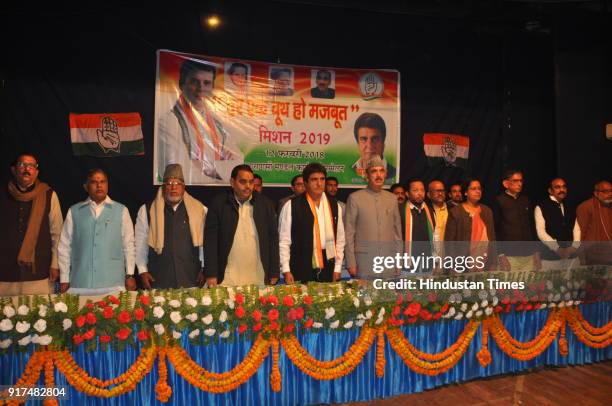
[
  {"x": 603, "y": 192},
  {"x": 436, "y": 192}
]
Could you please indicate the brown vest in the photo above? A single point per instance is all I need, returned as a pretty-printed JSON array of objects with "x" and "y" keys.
[{"x": 15, "y": 218}]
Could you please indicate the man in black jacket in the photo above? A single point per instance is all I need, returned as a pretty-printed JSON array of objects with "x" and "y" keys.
[{"x": 241, "y": 235}]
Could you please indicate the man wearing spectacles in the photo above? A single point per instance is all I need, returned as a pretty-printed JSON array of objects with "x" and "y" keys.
[
  {"x": 31, "y": 227},
  {"x": 595, "y": 219},
  {"x": 514, "y": 223},
  {"x": 170, "y": 236},
  {"x": 557, "y": 228}
]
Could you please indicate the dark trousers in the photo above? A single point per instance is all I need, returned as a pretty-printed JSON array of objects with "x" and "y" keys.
[{"x": 325, "y": 274}]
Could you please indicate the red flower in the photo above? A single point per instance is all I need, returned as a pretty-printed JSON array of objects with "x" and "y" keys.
[
  {"x": 274, "y": 326},
  {"x": 139, "y": 314},
  {"x": 145, "y": 300},
  {"x": 288, "y": 301},
  {"x": 299, "y": 313},
  {"x": 411, "y": 320},
  {"x": 437, "y": 315},
  {"x": 528, "y": 306},
  {"x": 256, "y": 315},
  {"x": 534, "y": 298},
  {"x": 102, "y": 303},
  {"x": 291, "y": 314},
  {"x": 432, "y": 297},
  {"x": 240, "y": 312},
  {"x": 396, "y": 311},
  {"x": 508, "y": 308},
  {"x": 399, "y": 299},
  {"x": 89, "y": 334},
  {"x": 309, "y": 323},
  {"x": 519, "y": 308},
  {"x": 239, "y": 298},
  {"x": 90, "y": 306},
  {"x": 242, "y": 328},
  {"x": 263, "y": 300},
  {"x": 425, "y": 315},
  {"x": 105, "y": 339},
  {"x": 307, "y": 300},
  {"x": 142, "y": 335},
  {"x": 108, "y": 312},
  {"x": 506, "y": 300},
  {"x": 413, "y": 309},
  {"x": 273, "y": 314},
  {"x": 273, "y": 300},
  {"x": 123, "y": 333},
  {"x": 124, "y": 317},
  {"x": 288, "y": 328},
  {"x": 77, "y": 339},
  {"x": 80, "y": 321},
  {"x": 444, "y": 308},
  {"x": 498, "y": 309},
  {"x": 257, "y": 327},
  {"x": 113, "y": 299},
  {"x": 409, "y": 297},
  {"x": 90, "y": 318}
]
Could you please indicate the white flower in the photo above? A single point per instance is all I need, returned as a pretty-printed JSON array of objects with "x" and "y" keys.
[
  {"x": 467, "y": 293},
  {"x": 45, "y": 339},
  {"x": 569, "y": 303},
  {"x": 4, "y": 344},
  {"x": 359, "y": 323},
  {"x": 567, "y": 296},
  {"x": 334, "y": 324},
  {"x": 469, "y": 314},
  {"x": 225, "y": 334},
  {"x": 557, "y": 297},
  {"x": 360, "y": 316},
  {"x": 489, "y": 311},
  {"x": 22, "y": 326},
  {"x": 23, "y": 310},
  {"x": 475, "y": 307},
  {"x": 381, "y": 312},
  {"x": 194, "y": 333},
  {"x": 478, "y": 313},
  {"x": 40, "y": 325},
  {"x": 191, "y": 302},
  {"x": 482, "y": 294},
  {"x": 6, "y": 325},
  {"x": 206, "y": 300},
  {"x": 60, "y": 307},
  {"x": 25, "y": 340},
  {"x": 207, "y": 319},
  {"x": 67, "y": 323},
  {"x": 378, "y": 320},
  {"x": 368, "y": 314},
  {"x": 495, "y": 301},
  {"x": 329, "y": 313},
  {"x": 459, "y": 316},
  {"x": 223, "y": 316},
  {"x": 316, "y": 324},
  {"x": 367, "y": 301},
  {"x": 484, "y": 303},
  {"x": 230, "y": 303},
  {"x": 463, "y": 307},
  {"x": 551, "y": 305},
  {"x": 9, "y": 311},
  {"x": 42, "y": 310},
  {"x": 174, "y": 303},
  {"x": 451, "y": 312},
  {"x": 348, "y": 324},
  {"x": 159, "y": 299},
  {"x": 210, "y": 332},
  {"x": 356, "y": 302},
  {"x": 159, "y": 329},
  {"x": 176, "y": 317},
  {"x": 158, "y": 312},
  {"x": 562, "y": 288},
  {"x": 561, "y": 305},
  {"x": 192, "y": 317},
  {"x": 577, "y": 302},
  {"x": 176, "y": 335}
]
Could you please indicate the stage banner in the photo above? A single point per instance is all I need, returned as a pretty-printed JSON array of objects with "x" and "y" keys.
[{"x": 213, "y": 113}]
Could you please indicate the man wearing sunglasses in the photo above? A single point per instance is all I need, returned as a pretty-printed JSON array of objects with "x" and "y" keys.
[
  {"x": 31, "y": 227},
  {"x": 170, "y": 236}
]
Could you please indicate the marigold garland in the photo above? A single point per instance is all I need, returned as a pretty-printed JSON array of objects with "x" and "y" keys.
[
  {"x": 275, "y": 376},
  {"x": 380, "y": 353},
  {"x": 163, "y": 391},
  {"x": 333, "y": 369},
  {"x": 584, "y": 331},
  {"x": 484, "y": 355},
  {"x": 563, "y": 350},
  {"x": 404, "y": 349},
  {"x": 212, "y": 382},
  {"x": 49, "y": 377}
]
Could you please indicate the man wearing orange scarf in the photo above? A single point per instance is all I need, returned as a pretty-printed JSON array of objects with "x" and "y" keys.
[{"x": 31, "y": 225}]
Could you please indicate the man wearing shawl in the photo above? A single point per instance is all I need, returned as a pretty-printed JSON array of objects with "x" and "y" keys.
[
  {"x": 31, "y": 226},
  {"x": 418, "y": 224},
  {"x": 170, "y": 236}
]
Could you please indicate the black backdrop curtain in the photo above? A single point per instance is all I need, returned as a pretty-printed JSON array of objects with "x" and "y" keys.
[{"x": 512, "y": 91}]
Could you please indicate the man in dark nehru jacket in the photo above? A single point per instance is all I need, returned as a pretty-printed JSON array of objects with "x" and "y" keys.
[
  {"x": 170, "y": 236},
  {"x": 31, "y": 227}
]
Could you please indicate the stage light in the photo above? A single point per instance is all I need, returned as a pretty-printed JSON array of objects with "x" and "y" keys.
[{"x": 213, "y": 21}]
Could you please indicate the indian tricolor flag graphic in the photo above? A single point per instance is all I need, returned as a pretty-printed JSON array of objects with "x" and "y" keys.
[
  {"x": 446, "y": 149},
  {"x": 106, "y": 135}
]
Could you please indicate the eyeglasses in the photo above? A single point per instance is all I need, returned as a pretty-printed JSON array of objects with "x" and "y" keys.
[
  {"x": 174, "y": 183},
  {"x": 28, "y": 165}
]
